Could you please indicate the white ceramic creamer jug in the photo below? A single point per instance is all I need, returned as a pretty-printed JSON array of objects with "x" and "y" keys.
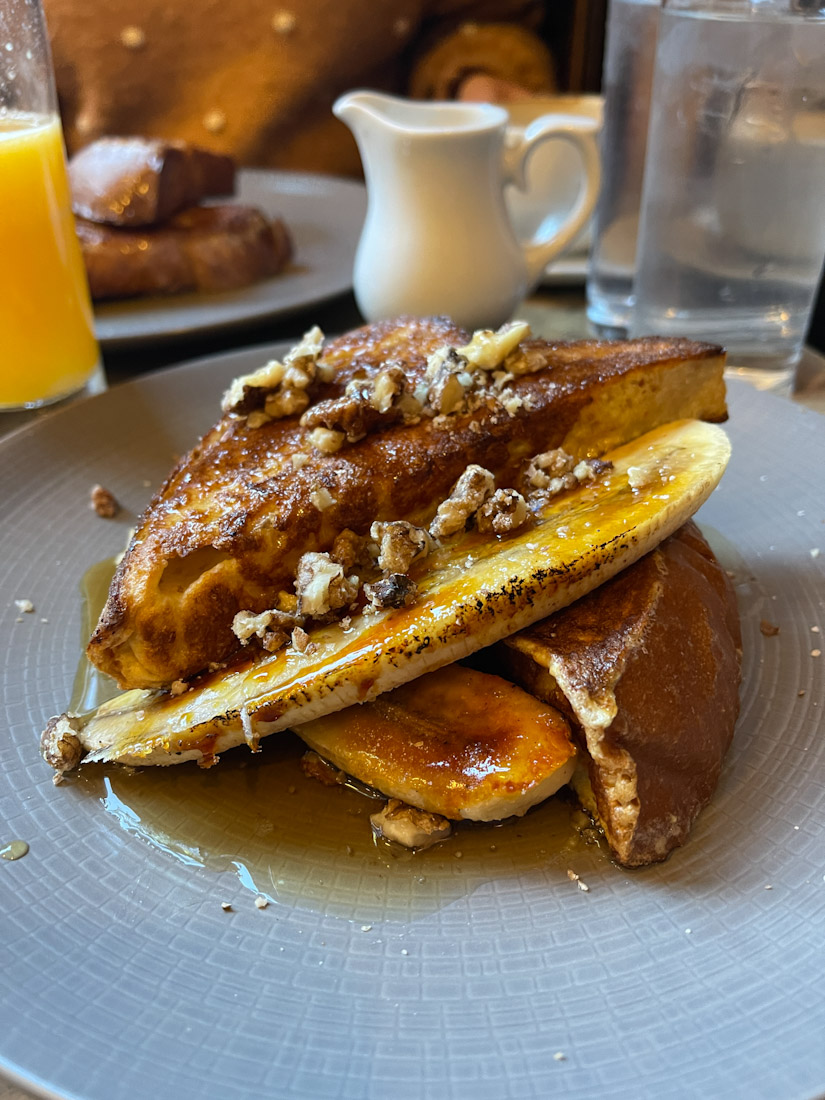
[{"x": 437, "y": 237}]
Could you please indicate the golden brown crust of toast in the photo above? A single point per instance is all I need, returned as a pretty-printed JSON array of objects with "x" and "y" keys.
[
  {"x": 647, "y": 669},
  {"x": 225, "y": 531}
]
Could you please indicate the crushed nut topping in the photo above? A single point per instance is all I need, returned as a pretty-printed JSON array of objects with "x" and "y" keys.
[
  {"x": 301, "y": 642},
  {"x": 506, "y": 510},
  {"x": 280, "y": 387},
  {"x": 399, "y": 544},
  {"x": 488, "y": 350},
  {"x": 396, "y": 590},
  {"x": 554, "y": 471},
  {"x": 348, "y": 549},
  {"x": 272, "y": 628},
  {"x": 327, "y": 441},
  {"x": 102, "y": 502},
  {"x": 409, "y": 826},
  {"x": 449, "y": 382},
  {"x": 321, "y": 585},
  {"x": 60, "y": 744},
  {"x": 315, "y": 767},
  {"x": 543, "y": 468},
  {"x": 365, "y": 406},
  {"x": 591, "y": 468},
  {"x": 469, "y": 493}
]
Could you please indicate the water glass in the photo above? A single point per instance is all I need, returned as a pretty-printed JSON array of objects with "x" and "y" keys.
[
  {"x": 732, "y": 233},
  {"x": 628, "y": 74},
  {"x": 48, "y": 349}
]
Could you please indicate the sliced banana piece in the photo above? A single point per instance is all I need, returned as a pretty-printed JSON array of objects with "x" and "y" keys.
[
  {"x": 457, "y": 742},
  {"x": 473, "y": 591}
]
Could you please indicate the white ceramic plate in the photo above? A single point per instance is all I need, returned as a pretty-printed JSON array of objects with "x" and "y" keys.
[
  {"x": 324, "y": 214},
  {"x": 478, "y": 971}
]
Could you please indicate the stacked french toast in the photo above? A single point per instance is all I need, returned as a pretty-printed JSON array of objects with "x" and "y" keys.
[{"x": 460, "y": 567}]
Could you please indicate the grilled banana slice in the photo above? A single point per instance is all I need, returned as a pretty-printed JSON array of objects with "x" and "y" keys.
[
  {"x": 475, "y": 590},
  {"x": 457, "y": 742}
]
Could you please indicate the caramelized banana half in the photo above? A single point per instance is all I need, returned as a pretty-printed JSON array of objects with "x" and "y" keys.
[
  {"x": 457, "y": 742},
  {"x": 473, "y": 591}
]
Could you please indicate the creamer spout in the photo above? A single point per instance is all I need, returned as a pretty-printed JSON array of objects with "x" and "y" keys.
[{"x": 360, "y": 108}]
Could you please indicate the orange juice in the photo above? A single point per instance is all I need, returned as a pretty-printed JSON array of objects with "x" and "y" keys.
[{"x": 47, "y": 343}]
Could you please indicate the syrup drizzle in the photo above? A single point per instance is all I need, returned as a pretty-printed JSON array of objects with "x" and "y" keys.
[{"x": 297, "y": 843}]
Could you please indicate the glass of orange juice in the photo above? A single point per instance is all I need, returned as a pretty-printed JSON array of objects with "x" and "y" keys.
[{"x": 48, "y": 349}]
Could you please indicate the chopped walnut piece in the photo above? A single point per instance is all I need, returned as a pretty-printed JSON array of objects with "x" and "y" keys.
[
  {"x": 408, "y": 826},
  {"x": 506, "y": 510},
  {"x": 60, "y": 744},
  {"x": 348, "y": 549},
  {"x": 554, "y": 471},
  {"x": 102, "y": 502},
  {"x": 449, "y": 382},
  {"x": 256, "y": 419},
  {"x": 469, "y": 493},
  {"x": 543, "y": 468},
  {"x": 396, "y": 590},
  {"x": 327, "y": 441},
  {"x": 365, "y": 406},
  {"x": 591, "y": 468},
  {"x": 488, "y": 350},
  {"x": 446, "y": 394},
  {"x": 400, "y": 543},
  {"x": 321, "y": 586},
  {"x": 315, "y": 767},
  {"x": 301, "y": 642},
  {"x": 271, "y": 628},
  {"x": 277, "y": 386},
  {"x": 288, "y": 401},
  {"x": 769, "y": 629}
]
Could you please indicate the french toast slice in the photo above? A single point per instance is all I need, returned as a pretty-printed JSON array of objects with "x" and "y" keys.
[
  {"x": 647, "y": 670},
  {"x": 225, "y": 532},
  {"x": 473, "y": 590}
]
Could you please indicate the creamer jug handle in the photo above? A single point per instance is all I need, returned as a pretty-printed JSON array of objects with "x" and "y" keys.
[{"x": 579, "y": 132}]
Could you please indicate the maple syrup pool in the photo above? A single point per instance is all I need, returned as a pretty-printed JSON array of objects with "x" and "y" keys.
[{"x": 294, "y": 841}]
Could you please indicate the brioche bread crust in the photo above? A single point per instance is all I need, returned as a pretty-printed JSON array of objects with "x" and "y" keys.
[{"x": 647, "y": 669}]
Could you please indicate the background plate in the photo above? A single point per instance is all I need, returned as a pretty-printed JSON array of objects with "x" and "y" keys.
[
  {"x": 478, "y": 970},
  {"x": 324, "y": 214}
]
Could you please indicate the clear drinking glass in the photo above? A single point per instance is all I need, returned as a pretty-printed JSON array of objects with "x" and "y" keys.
[
  {"x": 628, "y": 74},
  {"x": 47, "y": 344},
  {"x": 732, "y": 233}
]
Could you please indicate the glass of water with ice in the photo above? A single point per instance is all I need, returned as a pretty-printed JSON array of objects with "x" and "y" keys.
[{"x": 732, "y": 229}]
